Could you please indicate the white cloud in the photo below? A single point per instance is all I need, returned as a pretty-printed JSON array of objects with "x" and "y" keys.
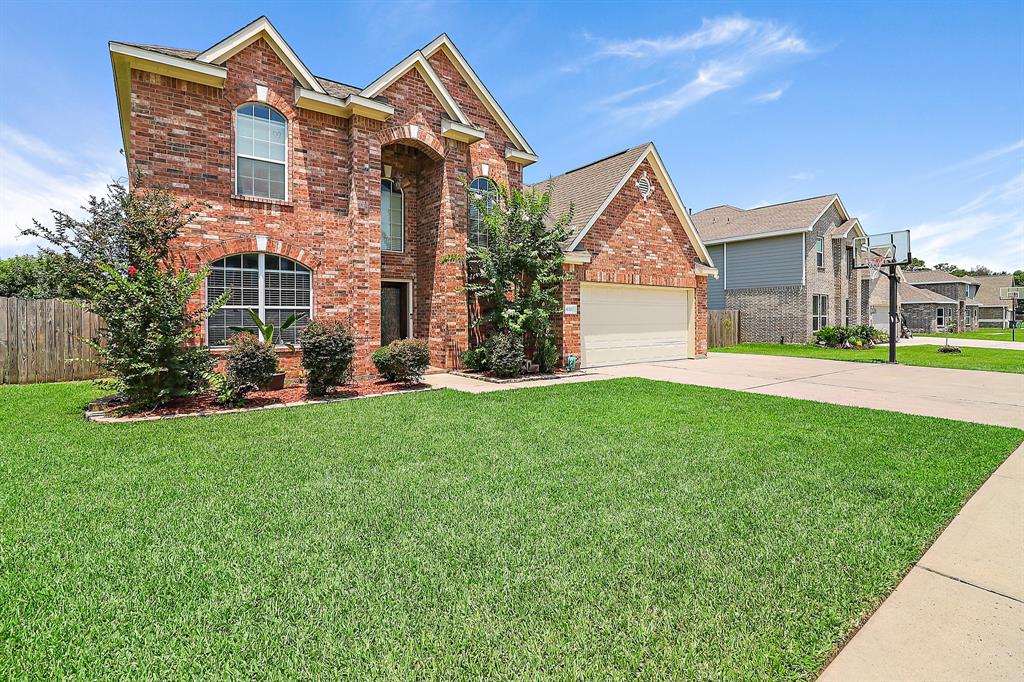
[
  {"x": 802, "y": 176},
  {"x": 733, "y": 48},
  {"x": 980, "y": 159},
  {"x": 626, "y": 94},
  {"x": 770, "y": 96},
  {"x": 36, "y": 177}
]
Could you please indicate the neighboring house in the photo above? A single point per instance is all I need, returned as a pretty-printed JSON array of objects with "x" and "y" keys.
[
  {"x": 926, "y": 311},
  {"x": 993, "y": 311},
  {"x": 963, "y": 290},
  {"x": 788, "y": 268},
  {"x": 333, "y": 200}
]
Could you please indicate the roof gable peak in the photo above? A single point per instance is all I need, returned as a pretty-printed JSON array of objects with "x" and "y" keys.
[
  {"x": 417, "y": 61},
  {"x": 250, "y": 33}
]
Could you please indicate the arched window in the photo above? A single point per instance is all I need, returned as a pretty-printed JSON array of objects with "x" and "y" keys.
[
  {"x": 274, "y": 286},
  {"x": 392, "y": 216},
  {"x": 481, "y": 187},
  {"x": 261, "y": 144}
]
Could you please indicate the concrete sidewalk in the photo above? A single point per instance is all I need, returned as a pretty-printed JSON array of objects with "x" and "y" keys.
[
  {"x": 959, "y": 613},
  {"x": 967, "y": 343}
]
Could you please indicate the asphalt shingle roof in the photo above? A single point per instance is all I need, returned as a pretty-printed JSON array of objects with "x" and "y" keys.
[
  {"x": 333, "y": 88},
  {"x": 725, "y": 222},
  {"x": 911, "y": 294},
  {"x": 935, "y": 277},
  {"x": 988, "y": 289},
  {"x": 587, "y": 187}
]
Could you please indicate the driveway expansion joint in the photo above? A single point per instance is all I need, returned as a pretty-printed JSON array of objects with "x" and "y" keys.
[{"x": 970, "y": 584}]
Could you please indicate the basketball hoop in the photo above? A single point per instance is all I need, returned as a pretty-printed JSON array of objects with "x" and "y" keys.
[{"x": 877, "y": 257}]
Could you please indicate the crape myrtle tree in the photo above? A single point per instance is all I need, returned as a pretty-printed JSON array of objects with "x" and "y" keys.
[
  {"x": 515, "y": 270},
  {"x": 117, "y": 261}
]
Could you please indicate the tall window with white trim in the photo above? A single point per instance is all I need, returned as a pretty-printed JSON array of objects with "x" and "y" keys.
[
  {"x": 484, "y": 188},
  {"x": 819, "y": 311},
  {"x": 940, "y": 317},
  {"x": 261, "y": 144},
  {"x": 392, "y": 216},
  {"x": 274, "y": 286},
  {"x": 819, "y": 252}
]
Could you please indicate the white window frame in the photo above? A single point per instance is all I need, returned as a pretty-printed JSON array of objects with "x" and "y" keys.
[
  {"x": 469, "y": 212},
  {"x": 819, "y": 252},
  {"x": 819, "y": 320},
  {"x": 940, "y": 317},
  {"x": 395, "y": 189},
  {"x": 287, "y": 153},
  {"x": 261, "y": 308}
]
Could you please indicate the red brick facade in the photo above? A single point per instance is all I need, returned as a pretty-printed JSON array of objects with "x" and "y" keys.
[
  {"x": 181, "y": 135},
  {"x": 641, "y": 242}
]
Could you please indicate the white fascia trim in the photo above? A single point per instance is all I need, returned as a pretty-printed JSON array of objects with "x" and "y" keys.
[
  {"x": 578, "y": 257},
  {"x": 760, "y": 235},
  {"x": 443, "y": 42},
  {"x": 241, "y": 38},
  {"x": 459, "y": 131},
  {"x": 205, "y": 73},
  {"x": 519, "y": 156},
  {"x": 417, "y": 61},
  {"x": 353, "y": 104},
  {"x": 842, "y": 210},
  {"x": 854, "y": 224},
  {"x": 661, "y": 173}
]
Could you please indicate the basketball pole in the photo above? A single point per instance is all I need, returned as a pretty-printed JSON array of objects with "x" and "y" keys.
[{"x": 892, "y": 314}]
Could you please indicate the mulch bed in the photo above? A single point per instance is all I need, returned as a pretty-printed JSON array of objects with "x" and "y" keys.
[
  {"x": 494, "y": 379},
  {"x": 205, "y": 404}
]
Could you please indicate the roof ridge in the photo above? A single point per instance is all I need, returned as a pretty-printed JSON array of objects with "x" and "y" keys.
[
  {"x": 792, "y": 201},
  {"x": 593, "y": 163}
]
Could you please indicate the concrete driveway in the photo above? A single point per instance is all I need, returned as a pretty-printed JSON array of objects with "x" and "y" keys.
[{"x": 967, "y": 343}]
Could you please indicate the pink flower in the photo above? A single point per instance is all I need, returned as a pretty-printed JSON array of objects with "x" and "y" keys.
[{"x": 132, "y": 271}]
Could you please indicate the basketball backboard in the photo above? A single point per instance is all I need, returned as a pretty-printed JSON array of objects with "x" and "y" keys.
[{"x": 886, "y": 248}]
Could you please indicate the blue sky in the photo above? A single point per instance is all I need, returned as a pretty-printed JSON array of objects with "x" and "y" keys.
[{"x": 911, "y": 112}]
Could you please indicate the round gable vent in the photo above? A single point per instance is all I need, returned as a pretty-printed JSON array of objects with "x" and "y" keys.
[{"x": 645, "y": 186}]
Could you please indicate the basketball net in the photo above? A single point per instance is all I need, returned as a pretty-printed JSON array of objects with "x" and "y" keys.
[{"x": 876, "y": 258}]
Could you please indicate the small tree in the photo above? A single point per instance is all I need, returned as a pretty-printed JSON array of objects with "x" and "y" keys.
[
  {"x": 118, "y": 260},
  {"x": 517, "y": 272}
]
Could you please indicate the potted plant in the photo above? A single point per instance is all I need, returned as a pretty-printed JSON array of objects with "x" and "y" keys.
[{"x": 267, "y": 334}]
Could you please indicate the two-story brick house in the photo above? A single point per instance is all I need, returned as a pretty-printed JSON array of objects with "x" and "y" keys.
[
  {"x": 959, "y": 290},
  {"x": 333, "y": 200},
  {"x": 788, "y": 268}
]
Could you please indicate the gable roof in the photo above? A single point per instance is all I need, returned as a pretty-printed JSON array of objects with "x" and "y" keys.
[
  {"x": 988, "y": 289},
  {"x": 248, "y": 34},
  {"x": 908, "y": 293},
  {"x": 936, "y": 277},
  {"x": 722, "y": 223},
  {"x": 447, "y": 47},
  {"x": 591, "y": 188},
  {"x": 419, "y": 62}
]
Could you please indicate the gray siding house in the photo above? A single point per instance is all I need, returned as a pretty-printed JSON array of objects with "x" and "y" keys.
[
  {"x": 925, "y": 311},
  {"x": 787, "y": 268}
]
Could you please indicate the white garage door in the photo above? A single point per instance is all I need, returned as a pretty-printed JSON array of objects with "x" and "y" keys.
[{"x": 621, "y": 324}]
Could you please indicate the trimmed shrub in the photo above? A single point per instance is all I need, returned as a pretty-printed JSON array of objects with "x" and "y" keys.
[
  {"x": 402, "y": 360},
  {"x": 832, "y": 337},
  {"x": 475, "y": 359},
  {"x": 327, "y": 352},
  {"x": 505, "y": 354},
  {"x": 547, "y": 355},
  {"x": 250, "y": 364}
]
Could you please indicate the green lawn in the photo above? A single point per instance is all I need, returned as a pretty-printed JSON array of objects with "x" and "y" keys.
[
  {"x": 605, "y": 529},
  {"x": 989, "y": 359},
  {"x": 986, "y": 335}
]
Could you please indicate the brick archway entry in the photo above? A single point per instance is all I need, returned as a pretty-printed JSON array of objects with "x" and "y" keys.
[{"x": 416, "y": 285}]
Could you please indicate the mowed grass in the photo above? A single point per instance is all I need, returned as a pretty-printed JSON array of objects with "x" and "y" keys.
[
  {"x": 606, "y": 529},
  {"x": 985, "y": 335},
  {"x": 987, "y": 359}
]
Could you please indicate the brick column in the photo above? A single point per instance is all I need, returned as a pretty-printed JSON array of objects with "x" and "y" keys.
[
  {"x": 568, "y": 326},
  {"x": 453, "y": 227},
  {"x": 364, "y": 225},
  {"x": 701, "y": 317}
]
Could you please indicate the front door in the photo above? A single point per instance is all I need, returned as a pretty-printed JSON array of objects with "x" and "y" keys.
[{"x": 394, "y": 312}]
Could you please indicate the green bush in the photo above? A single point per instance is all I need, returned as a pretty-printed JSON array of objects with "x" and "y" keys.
[
  {"x": 327, "y": 352},
  {"x": 869, "y": 333},
  {"x": 402, "y": 360},
  {"x": 547, "y": 355},
  {"x": 475, "y": 359},
  {"x": 832, "y": 337},
  {"x": 250, "y": 363},
  {"x": 505, "y": 354}
]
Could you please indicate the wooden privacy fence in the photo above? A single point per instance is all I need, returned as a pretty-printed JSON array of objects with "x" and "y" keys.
[
  {"x": 723, "y": 328},
  {"x": 40, "y": 341}
]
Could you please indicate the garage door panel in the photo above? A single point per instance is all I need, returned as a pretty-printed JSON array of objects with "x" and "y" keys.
[{"x": 622, "y": 324}]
